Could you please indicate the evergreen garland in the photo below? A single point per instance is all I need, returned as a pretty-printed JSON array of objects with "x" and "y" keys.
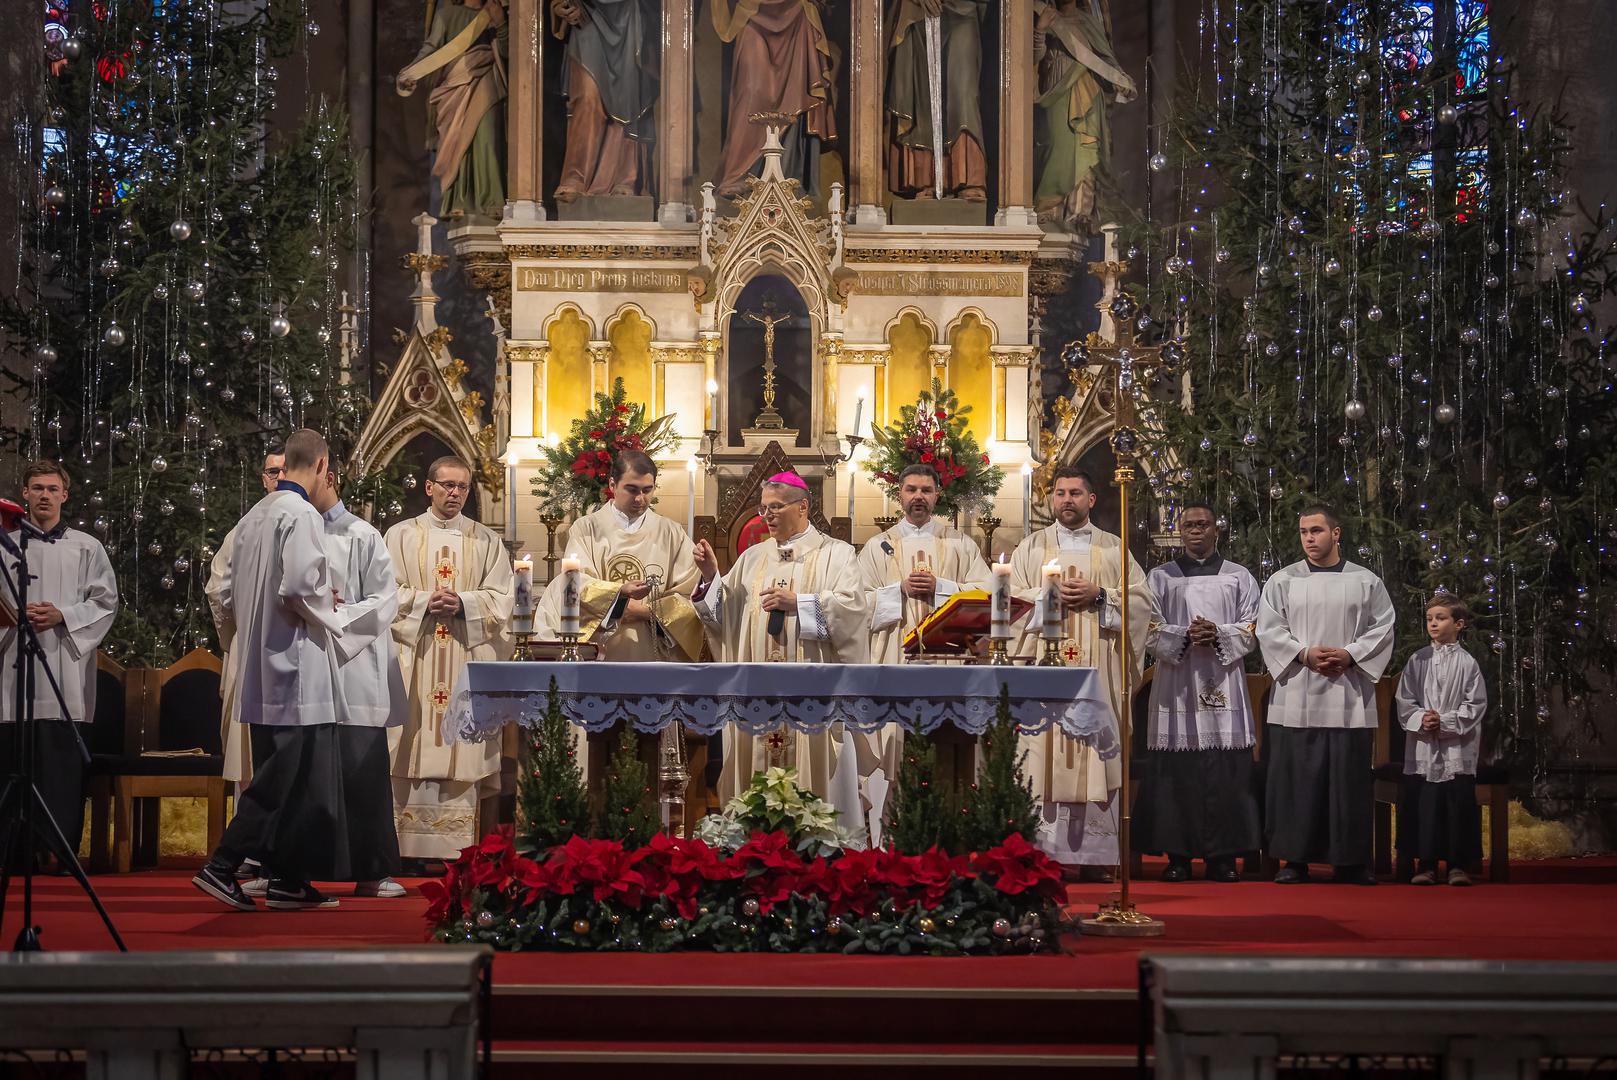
[
  {"x": 627, "y": 811},
  {"x": 923, "y": 810},
  {"x": 554, "y": 804},
  {"x": 1001, "y": 803}
]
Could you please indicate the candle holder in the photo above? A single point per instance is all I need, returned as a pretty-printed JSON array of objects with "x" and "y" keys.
[
  {"x": 997, "y": 653},
  {"x": 885, "y": 522},
  {"x": 569, "y": 647},
  {"x": 710, "y": 446},
  {"x": 522, "y": 651},
  {"x": 988, "y": 523},
  {"x": 1052, "y": 654},
  {"x": 551, "y": 521}
]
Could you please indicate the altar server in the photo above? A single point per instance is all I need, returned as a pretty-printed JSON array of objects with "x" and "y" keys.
[
  {"x": 1325, "y": 626},
  {"x": 454, "y": 606},
  {"x": 72, "y": 600},
  {"x": 794, "y": 597},
  {"x": 1196, "y": 798},
  {"x": 280, "y": 593},
  {"x": 1075, "y": 786}
]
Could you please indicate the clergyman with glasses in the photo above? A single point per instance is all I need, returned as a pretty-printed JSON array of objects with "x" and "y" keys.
[
  {"x": 454, "y": 606},
  {"x": 796, "y": 596}
]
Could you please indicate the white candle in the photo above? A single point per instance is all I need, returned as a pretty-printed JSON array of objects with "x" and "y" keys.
[
  {"x": 859, "y": 410},
  {"x": 522, "y": 605},
  {"x": 1052, "y": 600},
  {"x": 853, "y": 470},
  {"x": 1000, "y": 622},
  {"x": 570, "y": 592},
  {"x": 712, "y": 405},
  {"x": 690, "y": 501},
  {"x": 1027, "y": 498},
  {"x": 511, "y": 459}
]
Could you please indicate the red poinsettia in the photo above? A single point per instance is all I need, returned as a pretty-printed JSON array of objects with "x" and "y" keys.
[{"x": 1017, "y": 866}]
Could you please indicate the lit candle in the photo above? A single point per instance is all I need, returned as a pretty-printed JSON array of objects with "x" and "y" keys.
[
  {"x": 712, "y": 405},
  {"x": 853, "y": 470},
  {"x": 522, "y": 605},
  {"x": 571, "y": 589},
  {"x": 552, "y": 440},
  {"x": 1027, "y": 498},
  {"x": 690, "y": 502},
  {"x": 859, "y": 409},
  {"x": 1000, "y": 623},
  {"x": 511, "y": 459},
  {"x": 1052, "y": 600}
]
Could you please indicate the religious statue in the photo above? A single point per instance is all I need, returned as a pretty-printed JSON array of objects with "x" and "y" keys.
[
  {"x": 782, "y": 62},
  {"x": 769, "y": 418},
  {"x": 610, "y": 77},
  {"x": 1077, "y": 70},
  {"x": 934, "y": 99},
  {"x": 466, "y": 111}
]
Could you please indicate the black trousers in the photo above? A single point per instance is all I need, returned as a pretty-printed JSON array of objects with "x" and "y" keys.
[
  {"x": 59, "y": 772},
  {"x": 1319, "y": 804},
  {"x": 290, "y": 817},
  {"x": 373, "y": 840},
  {"x": 1200, "y": 804},
  {"x": 1440, "y": 821}
]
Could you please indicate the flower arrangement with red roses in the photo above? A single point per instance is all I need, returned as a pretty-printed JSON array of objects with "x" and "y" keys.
[
  {"x": 933, "y": 432},
  {"x": 576, "y": 476},
  {"x": 764, "y": 897}
]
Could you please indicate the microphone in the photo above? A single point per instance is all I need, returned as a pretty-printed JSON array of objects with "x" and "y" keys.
[{"x": 885, "y": 546}]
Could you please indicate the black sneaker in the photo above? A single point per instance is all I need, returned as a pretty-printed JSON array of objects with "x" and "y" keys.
[
  {"x": 296, "y": 896},
  {"x": 223, "y": 887},
  {"x": 249, "y": 870}
]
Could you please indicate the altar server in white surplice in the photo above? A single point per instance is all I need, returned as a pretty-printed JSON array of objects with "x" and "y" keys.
[
  {"x": 454, "y": 607},
  {"x": 1196, "y": 798},
  {"x": 1325, "y": 626},
  {"x": 908, "y": 572},
  {"x": 1075, "y": 785},
  {"x": 233, "y": 735},
  {"x": 807, "y": 586},
  {"x": 280, "y": 592},
  {"x": 72, "y": 600},
  {"x": 370, "y": 689}
]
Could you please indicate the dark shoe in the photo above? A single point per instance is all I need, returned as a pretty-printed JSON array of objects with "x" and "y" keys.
[
  {"x": 1458, "y": 876},
  {"x": 1292, "y": 874},
  {"x": 1425, "y": 877},
  {"x": 1223, "y": 870},
  {"x": 296, "y": 896},
  {"x": 1177, "y": 870},
  {"x": 248, "y": 870},
  {"x": 222, "y": 885},
  {"x": 1097, "y": 875},
  {"x": 1354, "y": 875}
]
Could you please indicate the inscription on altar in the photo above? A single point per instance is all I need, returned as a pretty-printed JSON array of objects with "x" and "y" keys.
[
  {"x": 939, "y": 283},
  {"x": 588, "y": 279}
]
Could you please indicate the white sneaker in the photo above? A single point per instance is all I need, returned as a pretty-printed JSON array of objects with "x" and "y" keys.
[
  {"x": 387, "y": 888},
  {"x": 256, "y": 887}
]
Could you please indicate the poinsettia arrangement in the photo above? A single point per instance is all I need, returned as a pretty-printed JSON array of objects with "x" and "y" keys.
[
  {"x": 576, "y": 476},
  {"x": 934, "y": 432},
  {"x": 763, "y": 897}
]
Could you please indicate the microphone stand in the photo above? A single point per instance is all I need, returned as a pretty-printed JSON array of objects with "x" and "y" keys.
[{"x": 24, "y": 815}]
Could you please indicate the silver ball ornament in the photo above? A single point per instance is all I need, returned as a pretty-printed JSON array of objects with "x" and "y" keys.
[
  {"x": 1333, "y": 266},
  {"x": 179, "y": 229},
  {"x": 1374, "y": 314},
  {"x": 114, "y": 335},
  {"x": 1447, "y": 114},
  {"x": 1446, "y": 413},
  {"x": 195, "y": 290},
  {"x": 55, "y": 196},
  {"x": 159, "y": 464},
  {"x": 72, "y": 48},
  {"x": 279, "y": 326},
  {"x": 1501, "y": 501},
  {"x": 1354, "y": 409},
  {"x": 159, "y": 292},
  {"x": 1157, "y": 161}
]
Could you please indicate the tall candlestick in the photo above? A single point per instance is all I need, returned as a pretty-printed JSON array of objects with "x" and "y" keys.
[
  {"x": 1000, "y": 622},
  {"x": 1027, "y": 498},
  {"x": 690, "y": 501},
  {"x": 1052, "y": 600},
  {"x": 858, "y": 413},
  {"x": 712, "y": 405},
  {"x": 522, "y": 589},
  {"x": 571, "y": 590}
]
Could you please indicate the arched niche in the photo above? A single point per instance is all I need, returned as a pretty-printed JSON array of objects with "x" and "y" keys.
[
  {"x": 971, "y": 372},
  {"x": 630, "y": 334},
  {"x": 420, "y": 451},
  {"x": 909, "y": 362},
  {"x": 568, "y": 388},
  {"x": 794, "y": 357}
]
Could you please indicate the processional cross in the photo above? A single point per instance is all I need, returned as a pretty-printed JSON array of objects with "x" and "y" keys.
[
  {"x": 1131, "y": 366},
  {"x": 769, "y": 418}
]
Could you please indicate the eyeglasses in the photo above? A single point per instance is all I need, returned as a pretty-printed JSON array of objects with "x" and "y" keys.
[
  {"x": 272, "y": 473},
  {"x": 772, "y": 509},
  {"x": 452, "y": 486}
]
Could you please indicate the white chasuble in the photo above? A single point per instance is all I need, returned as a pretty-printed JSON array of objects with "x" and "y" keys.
[
  {"x": 1198, "y": 693},
  {"x": 436, "y": 786},
  {"x": 1344, "y": 607},
  {"x": 73, "y": 572},
  {"x": 1067, "y": 774},
  {"x": 830, "y": 626},
  {"x": 889, "y": 557}
]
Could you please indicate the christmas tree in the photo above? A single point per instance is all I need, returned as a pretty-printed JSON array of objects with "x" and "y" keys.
[
  {"x": 1001, "y": 802},
  {"x": 627, "y": 809},
  {"x": 1385, "y": 296},
  {"x": 924, "y": 808},
  {"x": 181, "y": 300},
  {"x": 553, "y": 805}
]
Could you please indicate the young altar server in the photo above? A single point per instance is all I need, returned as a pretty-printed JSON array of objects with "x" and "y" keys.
[
  {"x": 279, "y": 591},
  {"x": 72, "y": 600},
  {"x": 1196, "y": 798},
  {"x": 1325, "y": 626},
  {"x": 1075, "y": 786},
  {"x": 1441, "y": 701},
  {"x": 794, "y": 597}
]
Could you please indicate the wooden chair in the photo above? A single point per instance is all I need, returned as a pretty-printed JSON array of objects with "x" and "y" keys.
[
  {"x": 114, "y": 743},
  {"x": 1493, "y": 791},
  {"x": 182, "y": 714}
]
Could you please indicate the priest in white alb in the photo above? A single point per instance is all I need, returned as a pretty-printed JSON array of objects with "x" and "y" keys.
[
  {"x": 1326, "y": 627},
  {"x": 455, "y": 595},
  {"x": 72, "y": 600},
  {"x": 795, "y": 596},
  {"x": 1197, "y": 797},
  {"x": 908, "y": 572},
  {"x": 1075, "y": 786}
]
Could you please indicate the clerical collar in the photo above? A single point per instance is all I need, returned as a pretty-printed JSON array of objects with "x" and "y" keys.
[
  {"x": 1335, "y": 569},
  {"x": 336, "y": 511},
  {"x": 442, "y": 523},
  {"x": 1081, "y": 532},
  {"x": 625, "y": 522},
  {"x": 288, "y": 485},
  {"x": 906, "y": 529},
  {"x": 1193, "y": 567},
  {"x": 796, "y": 539}
]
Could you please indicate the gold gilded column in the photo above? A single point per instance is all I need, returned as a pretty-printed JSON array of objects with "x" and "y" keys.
[
  {"x": 868, "y": 62},
  {"x": 524, "y": 123},
  {"x": 1017, "y": 75},
  {"x": 674, "y": 116}
]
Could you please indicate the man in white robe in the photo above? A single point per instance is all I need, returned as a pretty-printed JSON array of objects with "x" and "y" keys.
[
  {"x": 1326, "y": 628},
  {"x": 280, "y": 593},
  {"x": 908, "y": 572},
  {"x": 1075, "y": 786},
  {"x": 1197, "y": 798},
  {"x": 72, "y": 601},
  {"x": 455, "y": 596},
  {"x": 807, "y": 585},
  {"x": 237, "y": 747}
]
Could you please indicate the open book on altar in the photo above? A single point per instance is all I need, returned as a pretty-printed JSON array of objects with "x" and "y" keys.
[{"x": 963, "y": 617}]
